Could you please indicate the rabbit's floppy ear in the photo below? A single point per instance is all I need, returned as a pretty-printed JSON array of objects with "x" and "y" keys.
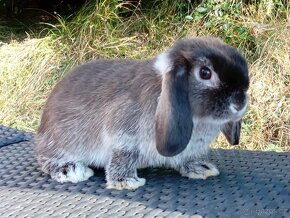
[
  {"x": 232, "y": 131},
  {"x": 173, "y": 115}
]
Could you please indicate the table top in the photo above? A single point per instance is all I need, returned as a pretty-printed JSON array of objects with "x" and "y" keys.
[{"x": 251, "y": 184}]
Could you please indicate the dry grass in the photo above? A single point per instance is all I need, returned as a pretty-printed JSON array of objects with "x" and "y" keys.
[
  {"x": 28, "y": 70},
  {"x": 110, "y": 29}
]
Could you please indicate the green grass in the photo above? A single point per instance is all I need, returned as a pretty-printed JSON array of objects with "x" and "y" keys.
[{"x": 29, "y": 68}]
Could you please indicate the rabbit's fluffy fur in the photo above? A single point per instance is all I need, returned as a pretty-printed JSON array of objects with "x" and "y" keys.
[{"x": 122, "y": 115}]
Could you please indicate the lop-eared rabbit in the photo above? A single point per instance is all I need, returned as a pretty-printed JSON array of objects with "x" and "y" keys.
[{"x": 122, "y": 115}]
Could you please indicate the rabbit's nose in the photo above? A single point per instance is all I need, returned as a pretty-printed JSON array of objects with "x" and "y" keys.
[
  {"x": 236, "y": 107},
  {"x": 239, "y": 102}
]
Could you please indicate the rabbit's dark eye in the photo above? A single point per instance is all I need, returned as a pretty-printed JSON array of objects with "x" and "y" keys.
[{"x": 205, "y": 73}]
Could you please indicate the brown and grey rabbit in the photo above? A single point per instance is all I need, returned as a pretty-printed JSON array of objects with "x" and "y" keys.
[{"x": 122, "y": 115}]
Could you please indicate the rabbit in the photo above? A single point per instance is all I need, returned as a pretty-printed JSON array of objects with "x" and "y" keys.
[{"x": 123, "y": 115}]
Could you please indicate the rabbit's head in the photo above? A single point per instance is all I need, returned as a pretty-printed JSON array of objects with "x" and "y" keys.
[{"x": 202, "y": 79}]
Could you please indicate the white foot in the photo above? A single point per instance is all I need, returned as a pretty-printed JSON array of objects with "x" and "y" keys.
[
  {"x": 127, "y": 183},
  {"x": 74, "y": 173},
  {"x": 201, "y": 170}
]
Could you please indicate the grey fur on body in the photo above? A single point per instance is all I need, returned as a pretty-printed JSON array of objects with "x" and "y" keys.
[{"x": 113, "y": 113}]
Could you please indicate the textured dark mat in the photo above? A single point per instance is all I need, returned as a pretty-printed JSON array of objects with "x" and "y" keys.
[
  {"x": 251, "y": 184},
  {"x": 9, "y": 136}
]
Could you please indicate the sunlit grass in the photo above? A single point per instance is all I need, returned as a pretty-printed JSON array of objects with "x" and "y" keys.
[
  {"x": 28, "y": 70},
  {"x": 118, "y": 29}
]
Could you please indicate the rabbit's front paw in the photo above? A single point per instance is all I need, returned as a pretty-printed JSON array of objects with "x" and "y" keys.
[
  {"x": 121, "y": 172},
  {"x": 199, "y": 170},
  {"x": 126, "y": 183}
]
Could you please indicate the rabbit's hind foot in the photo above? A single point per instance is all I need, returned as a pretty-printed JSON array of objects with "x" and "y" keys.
[
  {"x": 71, "y": 172},
  {"x": 199, "y": 170}
]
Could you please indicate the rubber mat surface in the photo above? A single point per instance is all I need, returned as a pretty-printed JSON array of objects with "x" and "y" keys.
[
  {"x": 9, "y": 136},
  {"x": 251, "y": 184}
]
